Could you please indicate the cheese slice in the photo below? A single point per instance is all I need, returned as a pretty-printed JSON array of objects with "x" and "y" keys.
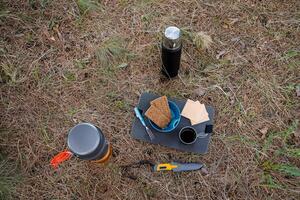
[{"x": 195, "y": 111}]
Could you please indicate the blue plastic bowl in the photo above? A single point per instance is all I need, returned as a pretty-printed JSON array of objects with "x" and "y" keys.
[{"x": 174, "y": 121}]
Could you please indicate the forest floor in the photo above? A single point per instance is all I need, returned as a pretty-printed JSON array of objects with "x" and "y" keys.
[{"x": 65, "y": 62}]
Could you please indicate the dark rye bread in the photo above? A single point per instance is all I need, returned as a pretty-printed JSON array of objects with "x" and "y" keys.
[
  {"x": 162, "y": 104},
  {"x": 156, "y": 116}
]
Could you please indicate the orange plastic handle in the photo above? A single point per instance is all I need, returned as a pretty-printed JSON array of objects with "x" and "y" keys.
[{"x": 59, "y": 158}]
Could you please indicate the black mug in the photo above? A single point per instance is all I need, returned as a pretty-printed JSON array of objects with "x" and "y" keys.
[{"x": 188, "y": 135}]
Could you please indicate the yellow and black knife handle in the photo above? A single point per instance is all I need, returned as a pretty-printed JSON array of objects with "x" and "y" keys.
[{"x": 165, "y": 167}]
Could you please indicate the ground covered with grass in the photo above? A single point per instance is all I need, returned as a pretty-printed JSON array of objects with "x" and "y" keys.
[{"x": 64, "y": 62}]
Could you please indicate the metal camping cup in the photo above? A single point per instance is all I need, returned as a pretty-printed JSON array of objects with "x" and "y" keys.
[
  {"x": 171, "y": 51},
  {"x": 87, "y": 142},
  {"x": 188, "y": 135}
]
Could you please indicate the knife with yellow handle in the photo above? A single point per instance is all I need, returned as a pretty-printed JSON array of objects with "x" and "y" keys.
[{"x": 178, "y": 167}]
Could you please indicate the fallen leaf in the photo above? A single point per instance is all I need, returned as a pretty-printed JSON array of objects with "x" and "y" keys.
[
  {"x": 263, "y": 19},
  {"x": 264, "y": 132},
  {"x": 298, "y": 91},
  {"x": 297, "y": 136},
  {"x": 52, "y": 38},
  {"x": 58, "y": 32},
  {"x": 200, "y": 91},
  {"x": 204, "y": 171},
  {"x": 46, "y": 33},
  {"x": 220, "y": 54},
  {"x": 122, "y": 65},
  {"x": 231, "y": 98},
  {"x": 297, "y": 133},
  {"x": 245, "y": 98},
  {"x": 242, "y": 45},
  {"x": 240, "y": 123},
  {"x": 225, "y": 25},
  {"x": 233, "y": 21},
  {"x": 235, "y": 39}
]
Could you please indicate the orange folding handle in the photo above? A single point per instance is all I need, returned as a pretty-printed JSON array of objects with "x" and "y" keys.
[{"x": 60, "y": 157}]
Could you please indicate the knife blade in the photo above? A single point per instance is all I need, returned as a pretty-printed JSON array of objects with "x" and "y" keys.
[{"x": 178, "y": 167}]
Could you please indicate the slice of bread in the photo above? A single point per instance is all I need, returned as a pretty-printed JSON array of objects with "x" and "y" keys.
[
  {"x": 157, "y": 116},
  {"x": 162, "y": 104}
]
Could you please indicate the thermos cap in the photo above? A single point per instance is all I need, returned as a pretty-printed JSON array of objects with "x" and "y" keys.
[
  {"x": 172, "y": 37},
  {"x": 172, "y": 33},
  {"x": 84, "y": 139}
]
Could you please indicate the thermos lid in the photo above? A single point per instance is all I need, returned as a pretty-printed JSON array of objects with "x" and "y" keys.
[
  {"x": 172, "y": 37},
  {"x": 172, "y": 33},
  {"x": 84, "y": 139}
]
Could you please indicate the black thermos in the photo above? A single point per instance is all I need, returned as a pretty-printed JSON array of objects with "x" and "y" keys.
[{"x": 171, "y": 51}]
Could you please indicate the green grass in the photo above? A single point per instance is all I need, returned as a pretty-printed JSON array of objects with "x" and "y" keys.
[
  {"x": 288, "y": 91},
  {"x": 243, "y": 139},
  {"x": 112, "y": 95},
  {"x": 9, "y": 74},
  {"x": 118, "y": 102},
  {"x": 171, "y": 93},
  {"x": 283, "y": 136},
  {"x": 144, "y": 3},
  {"x": 36, "y": 73},
  {"x": 272, "y": 166},
  {"x": 72, "y": 111},
  {"x": 9, "y": 177},
  {"x": 41, "y": 3},
  {"x": 69, "y": 76},
  {"x": 251, "y": 86},
  {"x": 122, "y": 105},
  {"x": 4, "y": 14},
  {"x": 290, "y": 152},
  {"x": 268, "y": 181},
  {"x": 111, "y": 50},
  {"x": 45, "y": 134},
  {"x": 87, "y": 5},
  {"x": 294, "y": 65},
  {"x": 149, "y": 191},
  {"x": 81, "y": 63},
  {"x": 38, "y": 3},
  {"x": 54, "y": 22},
  {"x": 113, "y": 56},
  {"x": 290, "y": 54},
  {"x": 286, "y": 169}
]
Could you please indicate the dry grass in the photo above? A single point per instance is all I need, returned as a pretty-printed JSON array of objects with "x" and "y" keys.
[{"x": 61, "y": 64}]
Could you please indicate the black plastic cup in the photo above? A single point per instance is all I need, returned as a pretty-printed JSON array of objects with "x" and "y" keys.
[{"x": 188, "y": 135}]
